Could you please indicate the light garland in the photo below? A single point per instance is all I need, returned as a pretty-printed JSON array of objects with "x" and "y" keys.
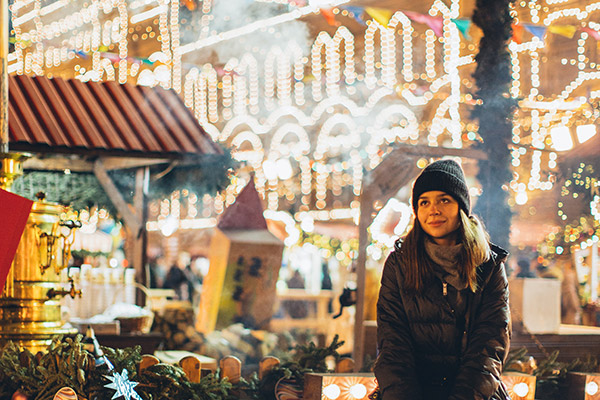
[
  {"x": 581, "y": 182},
  {"x": 225, "y": 99}
]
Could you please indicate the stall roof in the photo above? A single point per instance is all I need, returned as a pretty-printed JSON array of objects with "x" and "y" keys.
[{"x": 55, "y": 115}]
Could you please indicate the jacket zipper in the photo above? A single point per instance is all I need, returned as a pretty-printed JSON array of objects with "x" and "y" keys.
[{"x": 445, "y": 288}]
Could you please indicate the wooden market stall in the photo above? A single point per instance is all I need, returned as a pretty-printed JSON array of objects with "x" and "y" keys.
[{"x": 69, "y": 125}]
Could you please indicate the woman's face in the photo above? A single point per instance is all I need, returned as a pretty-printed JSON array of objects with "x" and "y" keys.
[{"x": 437, "y": 213}]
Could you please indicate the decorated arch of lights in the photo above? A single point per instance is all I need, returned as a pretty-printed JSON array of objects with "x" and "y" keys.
[{"x": 309, "y": 119}]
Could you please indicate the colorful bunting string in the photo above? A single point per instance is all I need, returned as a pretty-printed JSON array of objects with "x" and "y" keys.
[
  {"x": 463, "y": 26},
  {"x": 357, "y": 13},
  {"x": 435, "y": 23},
  {"x": 381, "y": 15},
  {"x": 563, "y": 30},
  {"x": 536, "y": 30},
  {"x": 329, "y": 16},
  {"x": 517, "y": 36},
  {"x": 593, "y": 33}
]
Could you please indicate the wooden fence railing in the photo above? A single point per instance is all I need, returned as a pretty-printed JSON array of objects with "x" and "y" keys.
[{"x": 231, "y": 366}]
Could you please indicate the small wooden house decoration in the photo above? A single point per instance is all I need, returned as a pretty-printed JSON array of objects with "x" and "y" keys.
[{"x": 245, "y": 259}]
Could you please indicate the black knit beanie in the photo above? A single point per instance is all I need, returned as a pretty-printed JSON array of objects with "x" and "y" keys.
[{"x": 446, "y": 176}]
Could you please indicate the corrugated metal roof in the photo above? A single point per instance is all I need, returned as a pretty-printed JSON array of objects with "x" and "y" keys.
[{"x": 70, "y": 116}]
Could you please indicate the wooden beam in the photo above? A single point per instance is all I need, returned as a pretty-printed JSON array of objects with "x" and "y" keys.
[
  {"x": 132, "y": 220},
  {"x": 58, "y": 164},
  {"x": 430, "y": 151},
  {"x": 140, "y": 241},
  {"x": 78, "y": 164},
  {"x": 394, "y": 172}
]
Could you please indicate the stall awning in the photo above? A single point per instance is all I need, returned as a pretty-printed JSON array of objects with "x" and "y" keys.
[{"x": 102, "y": 119}]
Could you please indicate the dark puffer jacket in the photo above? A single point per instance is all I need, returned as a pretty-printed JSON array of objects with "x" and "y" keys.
[{"x": 426, "y": 352}]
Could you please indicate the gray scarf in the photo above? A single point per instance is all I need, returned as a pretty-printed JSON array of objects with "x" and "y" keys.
[{"x": 445, "y": 259}]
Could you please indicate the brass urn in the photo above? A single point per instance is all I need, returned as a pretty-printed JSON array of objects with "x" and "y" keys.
[{"x": 30, "y": 311}]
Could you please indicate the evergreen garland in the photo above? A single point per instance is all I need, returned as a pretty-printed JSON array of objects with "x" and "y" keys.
[
  {"x": 67, "y": 363},
  {"x": 494, "y": 113},
  {"x": 550, "y": 373},
  {"x": 78, "y": 190},
  {"x": 83, "y": 190},
  {"x": 306, "y": 358}
]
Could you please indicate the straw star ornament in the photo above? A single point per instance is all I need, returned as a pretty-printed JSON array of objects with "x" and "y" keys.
[{"x": 122, "y": 385}]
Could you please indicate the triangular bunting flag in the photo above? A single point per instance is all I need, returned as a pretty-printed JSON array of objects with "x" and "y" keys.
[
  {"x": 517, "y": 36},
  {"x": 13, "y": 214},
  {"x": 592, "y": 32},
  {"x": 563, "y": 30},
  {"x": 536, "y": 30},
  {"x": 381, "y": 15},
  {"x": 329, "y": 16},
  {"x": 435, "y": 23},
  {"x": 463, "y": 26},
  {"x": 357, "y": 12}
]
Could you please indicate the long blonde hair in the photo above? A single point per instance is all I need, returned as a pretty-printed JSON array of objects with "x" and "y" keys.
[{"x": 476, "y": 251}]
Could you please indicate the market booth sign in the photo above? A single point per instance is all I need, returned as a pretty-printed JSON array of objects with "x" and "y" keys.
[{"x": 245, "y": 259}]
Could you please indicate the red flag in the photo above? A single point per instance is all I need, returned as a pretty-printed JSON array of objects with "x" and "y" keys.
[{"x": 14, "y": 211}]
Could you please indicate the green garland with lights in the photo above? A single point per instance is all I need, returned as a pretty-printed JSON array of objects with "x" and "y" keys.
[
  {"x": 494, "y": 113},
  {"x": 349, "y": 248},
  {"x": 584, "y": 230},
  {"x": 582, "y": 185},
  {"x": 580, "y": 188},
  {"x": 83, "y": 190}
]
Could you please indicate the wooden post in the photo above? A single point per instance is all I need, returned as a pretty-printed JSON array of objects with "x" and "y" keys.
[
  {"x": 147, "y": 361},
  {"x": 140, "y": 240},
  {"x": 192, "y": 368},
  {"x": 345, "y": 365},
  {"x": 267, "y": 364},
  {"x": 131, "y": 219},
  {"x": 366, "y": 208},
  {"x": 231, "y": 367},
  {"x": 382, "y": 183}
]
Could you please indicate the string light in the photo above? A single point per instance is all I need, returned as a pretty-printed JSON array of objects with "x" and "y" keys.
[{"x": 216, "y": 96}]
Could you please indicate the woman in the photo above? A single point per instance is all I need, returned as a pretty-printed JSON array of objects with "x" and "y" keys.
[{"x": 443, "y": 321}]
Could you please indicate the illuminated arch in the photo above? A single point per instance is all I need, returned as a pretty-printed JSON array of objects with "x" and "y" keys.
[
  {"x": 332, "y": 61},
  {"x": 241, "y": 120},
  {"x": 326, "y": 143},
  {"x": 280, "y": 149},
  {"x": 278, "y": 74},
  {"x": 441, "y": 124},
  {"x": 200, "y": 93},
  {"x": 253, "y": 156},
  {"x": 380, "y": 133}
]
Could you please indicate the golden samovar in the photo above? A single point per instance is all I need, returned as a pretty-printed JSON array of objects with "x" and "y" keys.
[{"x": 30, "y": 311}]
